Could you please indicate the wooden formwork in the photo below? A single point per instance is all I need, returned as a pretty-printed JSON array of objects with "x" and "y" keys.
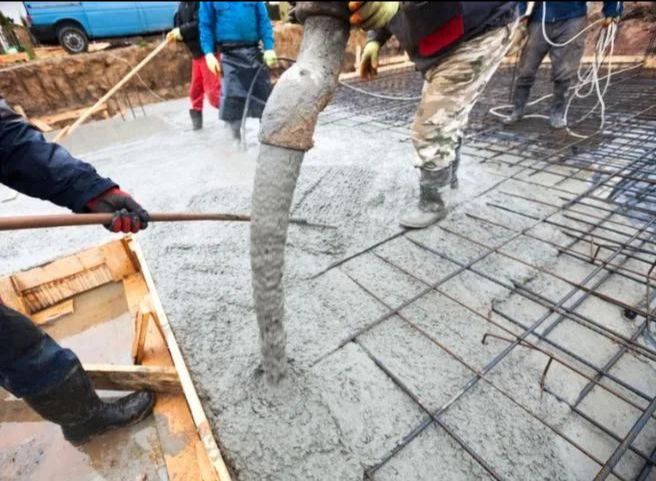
[{"x": 48, "y": 294}]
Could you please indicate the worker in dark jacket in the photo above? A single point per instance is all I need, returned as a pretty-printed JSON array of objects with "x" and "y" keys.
[
  {"x": 32, "y": 365},
  {"x": 204, "y": 82},
  {"x": 238, "y": 28},
  {"x": 457, "y": 46},
  {"x": 564, "y": 22}
]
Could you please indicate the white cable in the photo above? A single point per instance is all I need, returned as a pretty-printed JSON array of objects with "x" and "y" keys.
[
  {"x": 377, "y": 95},
  {"x": 588, "y": 82}
]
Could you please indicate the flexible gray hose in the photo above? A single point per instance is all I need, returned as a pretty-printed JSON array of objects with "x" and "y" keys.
[{"x": 287, "y": 126}]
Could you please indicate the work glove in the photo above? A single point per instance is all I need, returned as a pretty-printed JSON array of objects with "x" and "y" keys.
[
  {"x": 372, "y": 15},
  {"x": 213, "y": 64},
  {"x": 174, "y": 35},
  {"x": 608, "y": 21},
  {"x": 369, "y": 62},
  {"x": 129, "y": 216},
  {"x": 270, "y": 58}
]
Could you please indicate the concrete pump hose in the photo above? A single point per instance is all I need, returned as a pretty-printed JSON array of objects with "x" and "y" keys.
[{"x": 286, "y": 129}]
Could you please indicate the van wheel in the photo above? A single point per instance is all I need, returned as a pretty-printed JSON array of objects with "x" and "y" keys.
[{"x": 72, "y": 38}]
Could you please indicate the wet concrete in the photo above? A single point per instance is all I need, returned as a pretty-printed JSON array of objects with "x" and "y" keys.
[{"x": 338, "y": 413}]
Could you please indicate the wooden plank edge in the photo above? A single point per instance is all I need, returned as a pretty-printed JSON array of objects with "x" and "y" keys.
[
  {"x": 134, "y": 378},
  {"x": 195, "y": 406}
]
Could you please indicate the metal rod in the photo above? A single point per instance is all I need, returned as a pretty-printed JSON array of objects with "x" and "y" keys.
[{"x": 64, "y": 220}]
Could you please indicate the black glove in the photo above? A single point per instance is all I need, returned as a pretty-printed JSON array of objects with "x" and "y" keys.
[{"x": 129, "y": 216}]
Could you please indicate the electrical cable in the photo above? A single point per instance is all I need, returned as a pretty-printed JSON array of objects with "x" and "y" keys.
[{"x": 589, "y": 81}]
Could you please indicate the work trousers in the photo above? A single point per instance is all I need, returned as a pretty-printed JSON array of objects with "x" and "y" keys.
[
  {"x": 204, "y": 83},
  {"x": 31, "y": 362},
  {"x": 564, "y": 60},
  {"x": 451, "y": 89}
]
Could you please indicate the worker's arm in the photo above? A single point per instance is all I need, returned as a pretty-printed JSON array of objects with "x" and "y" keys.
[
  {"x": 189, "y": 30},
  {"x": 613, "y": 9},
  {"x": 206, "y": 27},
  {"x": 37, "y": 168},
  {"x": 265, "y": 31}
]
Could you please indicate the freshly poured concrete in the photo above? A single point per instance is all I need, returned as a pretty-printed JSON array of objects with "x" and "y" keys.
[{"x": 338, "y": 412}]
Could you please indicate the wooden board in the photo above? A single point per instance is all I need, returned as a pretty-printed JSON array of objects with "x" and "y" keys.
[
  {"x": 133, "y": 378},
  {"x": 198, "y": 414},
  {"x": 53, "y": 313},
  {"x": 42, "y": 287},
  {"x": 173, "y": 419}
]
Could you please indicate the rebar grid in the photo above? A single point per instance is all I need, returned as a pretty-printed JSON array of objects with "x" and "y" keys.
[{"x": 609, "y": 227}]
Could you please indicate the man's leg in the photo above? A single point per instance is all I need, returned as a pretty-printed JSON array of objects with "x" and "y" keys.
[
  {"x": 450, "y": 92},
  {"x": 565, "y": 62},
  {"x": 211, "y": 85},
  {"x": 529, "y": 62},
  {"x": 196, "y": 92},
  {"x": 51, "y": 380}
]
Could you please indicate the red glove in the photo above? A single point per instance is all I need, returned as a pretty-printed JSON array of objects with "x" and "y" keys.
[{"x": 129, "y": 216}]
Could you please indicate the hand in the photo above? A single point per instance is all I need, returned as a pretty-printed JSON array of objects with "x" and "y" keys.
[
  {"x": 213, "y": 64},
  {"x": 369, "y": 62},
  {"x": 129, "y": 216},
  {"x": 174, "y": 35},
  {"x": 372, "y": 15},
  {"x": 608, "y": 21},
  {"x": 270, "y": 58}
]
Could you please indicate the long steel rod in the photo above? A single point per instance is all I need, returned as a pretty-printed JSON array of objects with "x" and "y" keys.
[{"x": 67, "y": 220}]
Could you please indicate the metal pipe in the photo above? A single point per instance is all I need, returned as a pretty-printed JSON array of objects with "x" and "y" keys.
[{"x": 65, "y": 220}]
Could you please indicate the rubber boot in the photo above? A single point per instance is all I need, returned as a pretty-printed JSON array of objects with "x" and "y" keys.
[
  {"x": 196, "y": 119},
  {"x": 82, "y": 415},
  {"x": 434, "y": 190},
  {"x": 557, "y": 118},
  {"x": 454, "y": 167},
  {"x": 235, "y": 129},
  {"x": 520, "y": 98}
]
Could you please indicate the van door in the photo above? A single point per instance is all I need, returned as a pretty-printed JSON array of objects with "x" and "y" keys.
[
  {"x": 158, "y": 16},
  {"x": 113, "y": 19}
]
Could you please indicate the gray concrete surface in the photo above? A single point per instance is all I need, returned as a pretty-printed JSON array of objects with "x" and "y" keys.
[{"x": 339, "y": 413}]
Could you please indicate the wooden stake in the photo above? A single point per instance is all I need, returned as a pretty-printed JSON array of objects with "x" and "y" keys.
[{"x": 71, "y": 128}]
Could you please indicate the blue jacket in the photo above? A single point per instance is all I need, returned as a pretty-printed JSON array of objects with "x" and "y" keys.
[
  {"x": 35, "y": 167},
  {"x": 234, "y": 22},
  {"x": 559, "y": 11}
]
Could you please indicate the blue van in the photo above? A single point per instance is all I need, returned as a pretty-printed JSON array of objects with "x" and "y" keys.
[{"x": 72, "y": 24}]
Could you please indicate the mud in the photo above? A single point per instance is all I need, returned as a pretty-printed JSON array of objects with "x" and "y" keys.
[{"x": 337, "y": 413}]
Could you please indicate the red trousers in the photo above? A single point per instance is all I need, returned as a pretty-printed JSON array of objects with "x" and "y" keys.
[{"x": 203, "y": 82}]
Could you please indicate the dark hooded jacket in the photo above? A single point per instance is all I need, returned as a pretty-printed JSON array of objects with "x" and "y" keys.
[
  {"x": 186, "y": 19},
  {"x": 429, "y": 30}
]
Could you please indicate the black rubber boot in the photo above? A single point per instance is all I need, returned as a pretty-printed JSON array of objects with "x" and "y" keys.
[
  {"x": 235, "y": 129},
  {"x": 82, "y": 415},
  {"x": 196, "y": 119},
  {"x": 557, "y": 118},
  {"x": 434, "y": 189},
  {"x": 520, "y": 98}
]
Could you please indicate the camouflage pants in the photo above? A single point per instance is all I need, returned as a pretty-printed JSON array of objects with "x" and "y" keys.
[{"x": 450, "y": 91}]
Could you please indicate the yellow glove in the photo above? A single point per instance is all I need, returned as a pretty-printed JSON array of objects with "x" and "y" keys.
[
  {"x": 372, "y": 15},
  {"x": 270, "y": 58},
  {"x": 213, "y": 64},
  {"x": 610, "y": 20},
  {"x": 174, "y": 35},
  {"x": 369, "y": 62}
]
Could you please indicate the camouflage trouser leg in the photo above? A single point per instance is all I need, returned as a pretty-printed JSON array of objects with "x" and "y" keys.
[{"x": 450, "y": 91}]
